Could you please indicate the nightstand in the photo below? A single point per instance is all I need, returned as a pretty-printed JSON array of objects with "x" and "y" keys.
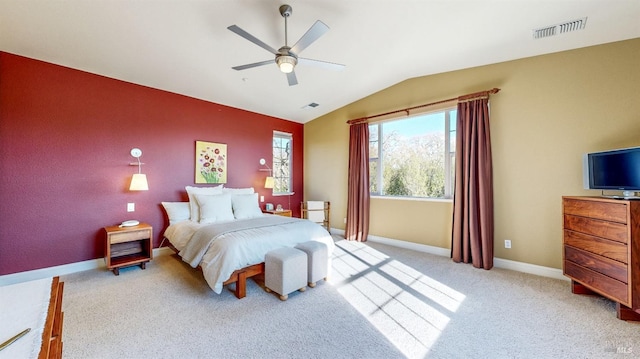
[
  {"x": 127, "y": 246},
  {"x": 284, "y": 212}
]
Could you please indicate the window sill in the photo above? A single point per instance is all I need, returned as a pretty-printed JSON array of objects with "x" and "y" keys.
[
  {"x": 283, "y": 194},
  {"x": 419, "y": 199}
]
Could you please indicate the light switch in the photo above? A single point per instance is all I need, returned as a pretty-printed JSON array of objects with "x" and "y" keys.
[
  {"x": 261, "y": 198},
  {"x": 131, "y": 207}
]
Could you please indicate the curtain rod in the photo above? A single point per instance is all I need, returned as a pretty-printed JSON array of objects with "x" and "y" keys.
[{"x": 459, "y": 99}]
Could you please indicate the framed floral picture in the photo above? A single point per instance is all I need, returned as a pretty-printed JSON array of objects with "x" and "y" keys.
[{"x": 211, "y": 162}]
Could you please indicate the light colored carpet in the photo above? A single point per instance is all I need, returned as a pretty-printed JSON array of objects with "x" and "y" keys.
[{"x": 381, "y": 302}]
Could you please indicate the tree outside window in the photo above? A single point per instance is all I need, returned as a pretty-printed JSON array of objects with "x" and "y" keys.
[
  {"x": 413, "y": 157},
  {"x": 282, "y": 162}
]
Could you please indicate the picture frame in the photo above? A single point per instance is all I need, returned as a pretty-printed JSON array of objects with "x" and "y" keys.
[{"x": 210, "y": 162}]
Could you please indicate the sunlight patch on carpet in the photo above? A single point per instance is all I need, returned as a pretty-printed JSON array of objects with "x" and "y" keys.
[{"x": 406, "y": 306}]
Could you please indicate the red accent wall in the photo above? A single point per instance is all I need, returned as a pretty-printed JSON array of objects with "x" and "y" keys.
[{"x": 65, "y": 137}]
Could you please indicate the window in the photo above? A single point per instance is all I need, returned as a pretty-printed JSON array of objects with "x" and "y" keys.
[
  {"x": 282, "y": 162},
  {"x": 413, "y": 157}
]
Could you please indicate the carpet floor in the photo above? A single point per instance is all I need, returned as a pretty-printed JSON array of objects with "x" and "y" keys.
[{"x": 380, "y": 302}]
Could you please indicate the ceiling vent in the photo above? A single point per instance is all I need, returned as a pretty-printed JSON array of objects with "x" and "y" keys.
[
  {"x": 311, "y": 105},
  {"x": 554, "y": 30}
]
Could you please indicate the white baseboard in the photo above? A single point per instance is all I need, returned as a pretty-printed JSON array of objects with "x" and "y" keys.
[
  {"x": 446, "y": 252},
  {"x": 439, "y": 251},
  {"x": 64, "y": 269},
  {"x": 529, "y": 268}
]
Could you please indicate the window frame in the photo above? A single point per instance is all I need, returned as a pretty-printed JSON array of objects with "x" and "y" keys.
[
  {"x": 275, "y": 159},
  {"x": 449, "y": 154}
]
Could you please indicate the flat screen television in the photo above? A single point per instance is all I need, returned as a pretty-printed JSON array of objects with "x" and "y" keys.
[{"x": 613, "y": 170}]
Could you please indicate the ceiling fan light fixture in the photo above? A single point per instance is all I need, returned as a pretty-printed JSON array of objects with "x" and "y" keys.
[
  {"x": 287, "y": 56},
  {"x": 286, "y": 63}
]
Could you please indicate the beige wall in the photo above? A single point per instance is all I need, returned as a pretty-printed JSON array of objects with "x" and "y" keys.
[{"x": 551, "y": 110}]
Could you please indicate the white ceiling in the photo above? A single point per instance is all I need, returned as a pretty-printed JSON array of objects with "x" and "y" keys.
[{"x": 183, "y": 46}]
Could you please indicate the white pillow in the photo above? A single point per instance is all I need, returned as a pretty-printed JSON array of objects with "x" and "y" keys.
[
  {"x": 214, "y": 208},
  {"x": 245, "y": 206},
  {"x": 177, "y": 211},
  {"x": 193, "y": 205},
  {"x": 248, "y": 190}
]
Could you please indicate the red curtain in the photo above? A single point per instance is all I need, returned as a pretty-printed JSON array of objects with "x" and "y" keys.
[
  {"x": 472, "y": 237},
  {"x": 358, "y": 187}
]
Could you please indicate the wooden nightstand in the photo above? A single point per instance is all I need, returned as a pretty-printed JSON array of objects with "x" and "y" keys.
[
  {"x": 127, "y": 246},
  {"x": 284, "y": 212}
]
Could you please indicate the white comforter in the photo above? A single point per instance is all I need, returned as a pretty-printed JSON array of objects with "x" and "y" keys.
[{"x": 221, "y": 248}]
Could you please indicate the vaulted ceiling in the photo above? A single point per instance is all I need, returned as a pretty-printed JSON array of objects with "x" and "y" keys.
[{"x": 184, "y": 46}]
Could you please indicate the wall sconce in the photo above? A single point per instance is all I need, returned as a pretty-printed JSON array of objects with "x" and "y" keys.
[
  {"x": 268, "y": 182},
  {"x": 139, "y": 180}
]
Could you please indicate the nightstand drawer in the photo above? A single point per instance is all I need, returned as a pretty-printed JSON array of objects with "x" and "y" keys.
[{"x": 129, "y": 236}]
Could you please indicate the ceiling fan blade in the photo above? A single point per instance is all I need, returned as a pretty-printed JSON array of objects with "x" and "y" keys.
[
  {"x": 315, "y": 31},
  {"x": 255, "y": 64},
  {"x": 291, "y": 77},
  {"x": 319, "y": 63},
  {"x": 252, "y": 38}
]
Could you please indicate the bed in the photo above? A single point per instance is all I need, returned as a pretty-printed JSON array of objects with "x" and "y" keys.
[{"x": 226, "y": 235}]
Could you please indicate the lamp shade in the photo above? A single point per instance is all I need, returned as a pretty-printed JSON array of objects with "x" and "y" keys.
[
  {"x": 139, "y": 182},
  {"x": 268, "y": 182},
  {"x": 286, "y": 63}
]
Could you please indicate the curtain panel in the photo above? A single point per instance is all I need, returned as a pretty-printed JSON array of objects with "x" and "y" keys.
[
  {"x": 358, "y": 184},
  {"x": 473, "y": 228}
]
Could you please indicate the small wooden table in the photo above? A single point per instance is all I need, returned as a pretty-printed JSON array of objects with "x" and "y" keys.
[
  {"x": 284, "y": 212},
  {"x": 127, "y": 246}
]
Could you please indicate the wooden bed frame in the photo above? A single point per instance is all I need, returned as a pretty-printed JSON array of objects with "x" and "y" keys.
[{"x": 239, "y": 277}]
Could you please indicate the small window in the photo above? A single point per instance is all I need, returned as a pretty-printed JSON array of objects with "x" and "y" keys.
[
  {"x": 282, "y": 162},
  {"x": 414, "y": 156}
]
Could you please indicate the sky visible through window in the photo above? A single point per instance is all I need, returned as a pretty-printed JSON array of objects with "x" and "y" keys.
[
  {"x": 419, "y": 125},
  {"x": 412, "y": 156}
]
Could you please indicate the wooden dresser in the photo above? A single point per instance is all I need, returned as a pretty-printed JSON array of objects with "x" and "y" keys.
[{"x": 601, "y": 250}]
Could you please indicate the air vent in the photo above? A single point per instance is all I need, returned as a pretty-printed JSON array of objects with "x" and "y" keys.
[
  {"x": 553, "y": 30},
  {"x": 311, "y": 105}
]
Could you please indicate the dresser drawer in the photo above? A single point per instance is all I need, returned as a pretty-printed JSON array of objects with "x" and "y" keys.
[
  {"x": 608, "y": 211},
  {"x": 129, "y": 236},
  {"x": 608, "y": 287},
  {"x": 610, "y": 230},
  {"x": 606, "y": 266},
  {"x": 606, "y": 248}
]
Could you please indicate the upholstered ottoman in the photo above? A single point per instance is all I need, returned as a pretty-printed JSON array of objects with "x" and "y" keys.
[
  {"x": 317, "y": 261},
  {"x": 285, "y": 271}
]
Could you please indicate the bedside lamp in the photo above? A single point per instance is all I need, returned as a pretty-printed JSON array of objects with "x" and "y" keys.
[
  {"x": 268, "y": 182},
  {"x": 139, "y": 180}
]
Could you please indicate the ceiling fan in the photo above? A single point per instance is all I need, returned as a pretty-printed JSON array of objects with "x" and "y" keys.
[{"x": 287, "y": 57}]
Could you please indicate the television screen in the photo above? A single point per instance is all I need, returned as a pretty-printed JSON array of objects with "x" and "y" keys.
[{"x": 615, "y": 170}]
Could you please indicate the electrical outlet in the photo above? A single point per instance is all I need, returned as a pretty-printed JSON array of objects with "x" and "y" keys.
[
  {"x": 131, "y": 207},
  {"x": 345, "y": 220},
  {"x": 507, "y": 243},
  {"x": 261, "y": 199}
]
